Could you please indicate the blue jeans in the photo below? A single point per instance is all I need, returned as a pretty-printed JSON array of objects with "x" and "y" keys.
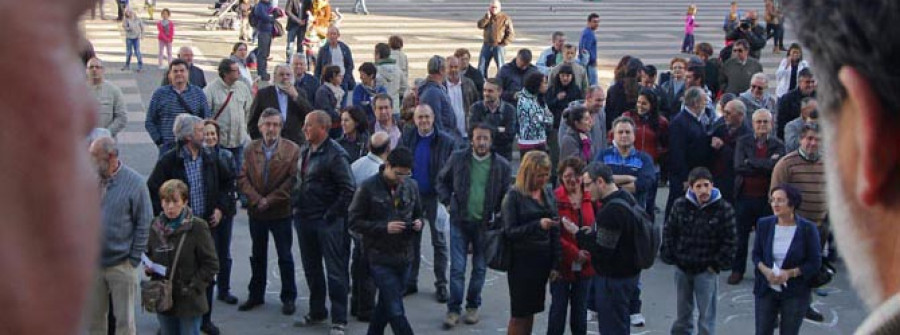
[
  {"x": 565, "y": 294},
  {"x": 170, "y": 325},
  {"x": 592, "y": 74},
  {"x": 688, "y": 44},
  {"x": 635, "y": 306},
  {"x": 771, "y": 304},
  {"x": 748, "y": 210},
  {"x": 460, "y": 239},
  {"x": 700, "y": 288},
  {"x": 391, "y": 283},
  {"x": 327, "y": 242},
  {"x": 133, "y": 46},
  {"x": 295, "y": 35},
  {"x": 259, "y": 251},
  {"x": 613, "y": 297},
  {"x": 490, "y": 53}
]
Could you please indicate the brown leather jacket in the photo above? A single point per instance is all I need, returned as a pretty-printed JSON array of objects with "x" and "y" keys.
[
  {"x": 498, "y": 29},
  {"x": 282, "y": 174}
]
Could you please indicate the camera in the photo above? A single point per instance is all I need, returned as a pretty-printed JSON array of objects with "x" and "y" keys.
[
  {"x": 745, "y": 25},
  {"x": 410, "y": 226}
]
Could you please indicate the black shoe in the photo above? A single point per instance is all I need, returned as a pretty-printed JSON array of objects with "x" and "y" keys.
[
  {"x": 442, "y": 295},
  {"x": 813, "y": 315},
  {"x": 228, "y": 298},
  {"x": 410, "y": 290},
  {"x": 249, "y": 304},
  {"x": 288, "y": 308},
  {"x": 209, "y": 328}
]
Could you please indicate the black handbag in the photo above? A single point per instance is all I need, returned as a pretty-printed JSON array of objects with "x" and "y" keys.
[
  {"x": 496, "y": 249},
  {"x": 824, "y": 276}
]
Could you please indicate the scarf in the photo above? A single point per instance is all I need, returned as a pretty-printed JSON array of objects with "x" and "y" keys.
[{"x": 338, "y": 93}]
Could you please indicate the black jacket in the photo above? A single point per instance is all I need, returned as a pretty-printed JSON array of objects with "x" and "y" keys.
[
  {"x": 195, "y": 77},
  {"x": 556, "y": 105},
  {"x": 373, "y": 207},
  {"x": 788, "y": 109},
  {"x": 504, "y": 118},
  {"x": 326, "y": 185},
  {"x": 616, "y": 259},
  {"x": 512, "y": 80},
  {"x": 522, "y": 224},
  {"x": 454, "y": 181},
  {"x": 756, "y": 37},
  {"x": 698, "y": 237},
  {"x": 441, "y": 148},
  {"x": 355, "y": 149},
  {"x": 746, "y": 164},
  {"x": 217, "y": 179},
  {"x": 617, "y": 103},
  {"x": 292, "y": 128},
  {"x": 722, "y": 167},
  {"x": 476, "y": 77}
]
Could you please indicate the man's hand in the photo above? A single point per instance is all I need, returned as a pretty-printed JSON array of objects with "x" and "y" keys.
[
  {"x": 717, "y": 143},
  {"x": 561, "y": 95},
  {"x": 263, "y": 204},
  {"x": 291, "y": 91},
  {"x": 547, "y": 223},
  {"x": 417, "y": 225},
  {"x": 396, "y": 227},
  {"x": 582, "y": 256},
  {"x": 216, "y": 218}
]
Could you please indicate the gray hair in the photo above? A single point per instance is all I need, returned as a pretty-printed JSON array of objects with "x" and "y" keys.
[
  {"x": 283, "y": 66},
  {"x": 299, "y": 56},
  {"x": 107, "y": 145},
  {"x": 806, "y": 101},
  {"x": 436, "y": 64},
  {"x": 763, "y": 111},
  {"x": 184, "y": 125},
  {"x": 694, "y": 96},
  {"x": 97, "y": 133},
  {"x": 269, "y": 112},
  {"x": 739, "y": 105},
  {"x": 862, "y": 35},
  {"x": 759, "y": 75}
]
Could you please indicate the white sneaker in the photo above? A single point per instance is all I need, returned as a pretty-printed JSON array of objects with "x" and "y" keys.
[
  {"x": 591, "y": 316},
  {"x": 637, "y": 320}
]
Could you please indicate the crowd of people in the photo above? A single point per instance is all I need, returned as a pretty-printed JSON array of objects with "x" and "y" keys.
[{"x": 359, "y": 169}]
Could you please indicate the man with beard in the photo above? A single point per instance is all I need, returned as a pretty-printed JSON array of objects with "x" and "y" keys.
[
  {"x": 805, "y": 170},
  {"x": 859, "y": 94},
  {"x": 126, "y": 215},
  {"x": 471, "y": 185},
  {"x": 283, "y": 96},
  {"x": 790, "y": 103}
]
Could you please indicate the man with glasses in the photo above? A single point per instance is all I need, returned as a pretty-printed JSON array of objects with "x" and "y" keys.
[
  {"x": 737, "y": 71},
  {"x": 755, "y": 157},
  {"x": 758, "y": 97}
]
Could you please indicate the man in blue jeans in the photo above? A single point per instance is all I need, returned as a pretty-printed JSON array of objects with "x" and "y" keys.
[
  {"x": 472, "y": 185},
  {"x": 612, "y": 250},
  {"x": 699, "y": 239},
  {"x": 321, "y": 201},
  {"x": 498, "y": 33},
  {"x": 265, "y": 18},
  {"x": 588, "y": 47},
  {"x": 387, "y": 212}
]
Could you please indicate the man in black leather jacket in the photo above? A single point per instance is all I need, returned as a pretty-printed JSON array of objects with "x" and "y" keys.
[
  {"x": 326, "y": 188},
  {"x": 387, "y": 212}
]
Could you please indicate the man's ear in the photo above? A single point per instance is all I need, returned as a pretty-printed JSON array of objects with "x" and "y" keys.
[{"x": 875, "y": 138}]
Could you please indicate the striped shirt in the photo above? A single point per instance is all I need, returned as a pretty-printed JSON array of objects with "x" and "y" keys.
[
  {"x": 164, "y": 107},
  {"x": 808, "y": 177}
]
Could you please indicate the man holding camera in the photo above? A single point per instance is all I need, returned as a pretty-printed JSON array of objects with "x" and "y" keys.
[
  {"x": 387, "y": 212},
  {"x": 751, "y": 31}
]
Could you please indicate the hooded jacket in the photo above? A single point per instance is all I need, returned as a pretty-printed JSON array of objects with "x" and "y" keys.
[{"x": 700, "y": 237}]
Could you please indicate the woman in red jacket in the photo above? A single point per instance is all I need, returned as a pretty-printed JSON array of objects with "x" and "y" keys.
[{"x": 571, "y": 288}]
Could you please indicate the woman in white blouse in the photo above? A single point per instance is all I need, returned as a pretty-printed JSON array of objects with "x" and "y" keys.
[
  {"x": 788, "y": 73},
  {"x": 787, "y": 256}
]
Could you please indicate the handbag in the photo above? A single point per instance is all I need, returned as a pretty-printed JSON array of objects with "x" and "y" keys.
[
  {"x": 277, "y": 29},
  {"x": 156, "y": 295},
  {"x": 824, "y": 276},
  {"x": 496, "y": 249}
]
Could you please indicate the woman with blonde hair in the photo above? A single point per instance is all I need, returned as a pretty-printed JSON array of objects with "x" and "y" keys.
[{"x": 531, "y": 226}]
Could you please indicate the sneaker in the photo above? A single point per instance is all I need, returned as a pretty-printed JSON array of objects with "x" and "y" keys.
[
  {"x": 813, "y": 315},
  {"x": 591, "y": 316},
  {"x": 338, "y": 329},
  {"x": 821, "y": 292},
  {"x": 309, "y": 320},
  {"x": 451, "y": 320},
  {"x": 637, "y": 320},
  {"x": 471, "y": 316}
]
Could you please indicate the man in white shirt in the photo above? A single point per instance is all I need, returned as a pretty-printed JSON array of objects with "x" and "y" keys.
[{"x": 462, "y": 94}]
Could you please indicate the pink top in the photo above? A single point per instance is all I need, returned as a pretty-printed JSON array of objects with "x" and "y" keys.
[
  {"x": 689, "y": 25},
  {"x": 166, "y": 35}
]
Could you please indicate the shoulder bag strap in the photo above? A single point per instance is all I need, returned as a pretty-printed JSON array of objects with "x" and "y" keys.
[
  {"x": 177, "y": 255},
  {"x": 222, "y": 109},
  {"x": 183, "y": 103}
]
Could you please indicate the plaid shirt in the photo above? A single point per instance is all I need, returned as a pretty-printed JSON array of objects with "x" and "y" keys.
[{"x": 193, "y": 168}]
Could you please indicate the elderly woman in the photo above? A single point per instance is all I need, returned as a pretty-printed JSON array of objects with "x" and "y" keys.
[
  {"x": 534, "y": 117},
  {"x": 532, "y": 230},
  {"x": 176, "y": 231},
  {"x": 355, "y": 139},
  {"x": 575, "y": 271},
  {"x": 787, "y": 256},
  {"x": 577, "y": 141}
]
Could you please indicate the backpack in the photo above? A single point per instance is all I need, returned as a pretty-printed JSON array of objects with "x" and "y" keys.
[
  {"x": 647, "y": 234},
  {"x": 252, "y": 19}
]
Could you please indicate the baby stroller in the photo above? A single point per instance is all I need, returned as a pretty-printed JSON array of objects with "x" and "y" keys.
[{"x": 225, "y": 17}]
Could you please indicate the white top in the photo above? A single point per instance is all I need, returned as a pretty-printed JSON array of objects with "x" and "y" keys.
[
  {"x": 784, "y": 235},
  {"x": 337, "y": 58},
  {"x": 456, "y": 101}
]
